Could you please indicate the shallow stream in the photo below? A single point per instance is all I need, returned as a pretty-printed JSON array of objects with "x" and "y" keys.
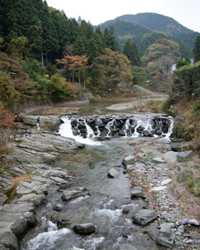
[{"x": 103, "y": 204}]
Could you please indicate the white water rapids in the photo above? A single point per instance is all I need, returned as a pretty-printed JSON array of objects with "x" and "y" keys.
[{"x": 66, "y": 130}]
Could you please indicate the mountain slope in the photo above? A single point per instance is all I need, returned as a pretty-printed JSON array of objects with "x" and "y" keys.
[
  {"x": 164, "y": 24},
  {"x": 157, "y": 22},
  {"x": 142, "y": 36}
]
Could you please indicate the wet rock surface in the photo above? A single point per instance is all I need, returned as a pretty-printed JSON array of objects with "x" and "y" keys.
[{"x": 147, "y": 167}]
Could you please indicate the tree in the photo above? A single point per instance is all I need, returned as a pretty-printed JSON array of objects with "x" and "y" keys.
[
  {"x": 8, "y": 94},
  {"x": 59, "y": 88},
  {"x": 131, "y": 51},
  {"x": 110, "y": 39},
  {"x": 74, "y": 64},
  {"x": 197, "y": 49},
  {"x": 111, "y": 69},
  {"x": 183, "y": 62},
  {"x": 16, "y": 85},
  {"x": 6, "y": 123},
  {"x": 139, "y": 75}
]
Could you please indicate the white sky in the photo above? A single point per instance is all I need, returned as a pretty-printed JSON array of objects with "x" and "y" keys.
[{"x": 186, "y": 12}]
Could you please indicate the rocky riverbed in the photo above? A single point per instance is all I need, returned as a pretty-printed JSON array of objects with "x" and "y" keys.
[{"x": 29, "y": 175}]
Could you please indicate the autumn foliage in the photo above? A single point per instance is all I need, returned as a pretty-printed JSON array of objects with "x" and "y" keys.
[
  {"x": 6, "y": 120},
  {"x": 74, "y": 64}
]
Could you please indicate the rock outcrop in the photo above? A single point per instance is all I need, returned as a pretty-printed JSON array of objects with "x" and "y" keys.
[{"x": 33, "y": 152}]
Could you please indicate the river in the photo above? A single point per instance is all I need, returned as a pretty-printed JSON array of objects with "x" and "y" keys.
[{"x": 105, "y": 203}]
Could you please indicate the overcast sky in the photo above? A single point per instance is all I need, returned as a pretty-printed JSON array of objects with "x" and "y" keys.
[{"x": 186, "y": 12}]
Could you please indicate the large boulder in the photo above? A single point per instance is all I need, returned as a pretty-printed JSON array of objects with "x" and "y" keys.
[
  {"x": 166, "y": 235},
  {"x": 50, "y": 122},
  {"x": 144, "y": 216},
  {"x": 182, "y": 156},
  {"x": 19, "y": 227},
  {"x": 9, "y": 240},
  {"x": 86, "y": 228}
]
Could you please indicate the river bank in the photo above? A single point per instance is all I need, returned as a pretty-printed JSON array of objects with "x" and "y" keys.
[{"x": 150, "y": 164}]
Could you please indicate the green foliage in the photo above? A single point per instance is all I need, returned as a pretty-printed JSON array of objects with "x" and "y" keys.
[
  {"x": 191, "y": 182},
  {"x": 197, "y": 49},
  {"x": 111, "y": 69},
  {"x": 33, "y": 69},
  {"x": 187, "y": 81},
  {"x": 166, "y": 108},
  {"x": 184, "y": 131},
  {"x": 165, "y": 24},
  {"x": 59, "y": 88},
  {"x": 160, "y": 48},
  {"x": 110, "y": 39},
  {"x": 131, "y": 51},
  {"x": 183, "y": 62},
  {"x": 139, "y": 76},
  {"x": 196, "y": 108}
]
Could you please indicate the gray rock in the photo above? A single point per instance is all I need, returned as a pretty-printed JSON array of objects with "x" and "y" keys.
[
  {"x": 166, "y": 236},
  {"x": 130, "y": 167},
  {"x": 3, "y": 198},
  {"x": 183, "y": 222},
  {"x": 70, "y": 194},
  {"x": 9, "y": 217},
  {"x": 19, "y": 208},
  {"x": 182, "y": 156},
  {"x": 5, "y": 227},
  {"x": 127, "y": 247},
  {"x": 193, "y": 222},
  {"x": 59, "y": 181},
  {"x": 170, "y": 156},
  {"x": 48, "y": 143},
  {"x": 129, "y": 160},
  {"x": 58, "y": 207},
  {"x": 20, "y": 227},
  {"x": 86, "y": 228},
  {"x": 30, "y": 219},
  {"x": 125, "y": 210},
  {"x": 9, "y": 240},
  {"x": 158, "y": 160},
  {"x": 144, "y": 216},
  {"x": 49, "y": 122},
  {"x": 166, "y": 182},
  {"x": 31, "y": 186},
  {"x": 2, "y": 247},
  {"x": 113, "y": 173},
  {"x": 136, "y": 192}
]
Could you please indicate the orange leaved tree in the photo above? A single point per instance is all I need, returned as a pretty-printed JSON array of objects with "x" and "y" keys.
[{"x": 74, "y": 64}]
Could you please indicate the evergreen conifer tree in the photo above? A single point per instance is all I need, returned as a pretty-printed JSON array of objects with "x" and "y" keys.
[
  {"x": 131, "y": 51},
  {"x": 197, "y": 49}
]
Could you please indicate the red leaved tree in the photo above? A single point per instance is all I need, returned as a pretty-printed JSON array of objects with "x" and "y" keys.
[{"x": 6, "y": 123}]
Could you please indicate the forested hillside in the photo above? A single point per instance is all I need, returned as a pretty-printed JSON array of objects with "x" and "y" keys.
[
  {"x": 46, "y": 55},
  {"x": 164, "y": 24},
  {"x": 145, "y": 36}
]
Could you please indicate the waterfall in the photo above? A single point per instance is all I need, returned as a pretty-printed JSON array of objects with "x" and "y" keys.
[
  {"x": 66, "y": 131},
  {"x": 109, "y": 126},
  {"x": 88, "y": 129}
]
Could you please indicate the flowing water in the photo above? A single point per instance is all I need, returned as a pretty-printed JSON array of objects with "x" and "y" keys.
[{"x": 103, "y": 203}]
